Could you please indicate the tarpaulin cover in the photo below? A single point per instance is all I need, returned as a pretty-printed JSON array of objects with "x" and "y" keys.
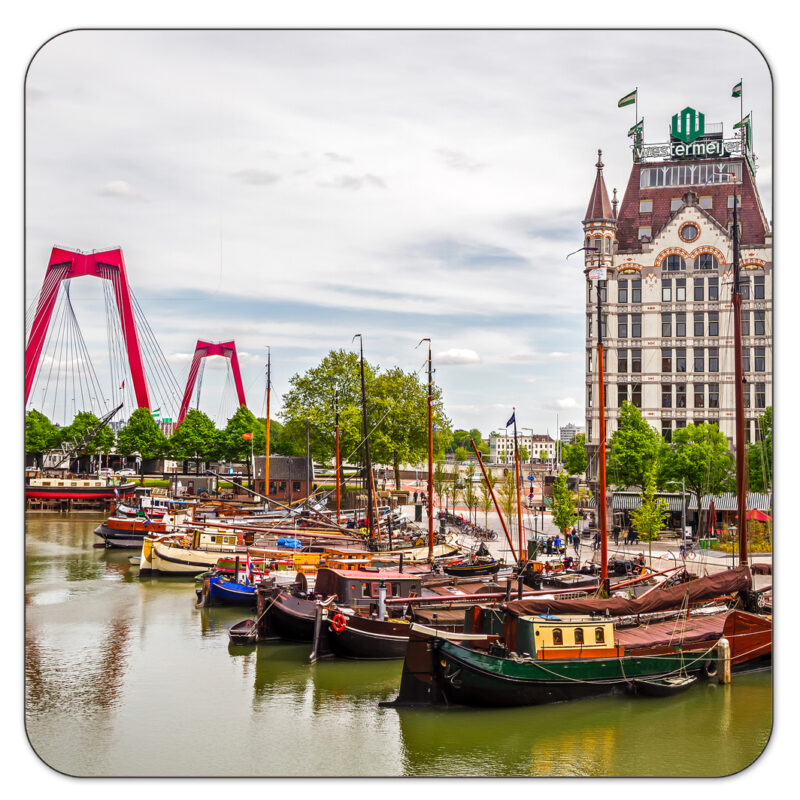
[
  {"x": 659, "y": 599},
  {"x": 441, "y": 616},
  {"x": 295, "y": 544}
]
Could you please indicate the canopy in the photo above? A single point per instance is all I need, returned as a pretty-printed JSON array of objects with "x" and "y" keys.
[{"x": 757, "y": 515}]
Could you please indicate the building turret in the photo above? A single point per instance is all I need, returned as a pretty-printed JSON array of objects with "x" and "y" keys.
[{"x": 599, "y": 224}]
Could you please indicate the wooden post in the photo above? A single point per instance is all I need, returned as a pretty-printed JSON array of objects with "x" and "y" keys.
[{"x": 724, "y": 661}]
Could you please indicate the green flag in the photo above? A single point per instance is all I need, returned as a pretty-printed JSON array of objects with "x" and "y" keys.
[
  {"x": 737, "y": 90},
  {"x": 741, "y": 123},
  {"x": 637, "y": 129},
  {"x": 156, "y": 412},
  {"x": 628, "y": 100}
]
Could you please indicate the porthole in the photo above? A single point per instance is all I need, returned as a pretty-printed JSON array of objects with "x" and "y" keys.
[{"x": 689, "y": 232}]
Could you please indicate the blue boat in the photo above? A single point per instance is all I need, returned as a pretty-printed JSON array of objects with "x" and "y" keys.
[{"x": 219, "y": 590}]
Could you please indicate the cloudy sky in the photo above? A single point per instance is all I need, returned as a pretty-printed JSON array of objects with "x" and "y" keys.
[{"x": 292, "y": 189}]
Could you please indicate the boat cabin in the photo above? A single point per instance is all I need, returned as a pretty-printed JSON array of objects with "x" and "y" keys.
[
  {"x": 565, "y": 636},
  {"x": 216, "y": 540},
  {"x": 362, "y": 587}
]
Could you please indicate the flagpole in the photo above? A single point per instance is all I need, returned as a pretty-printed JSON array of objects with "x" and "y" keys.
[
  {"x": 519, "y": 499},
  {"x": 636, "y": 107}
]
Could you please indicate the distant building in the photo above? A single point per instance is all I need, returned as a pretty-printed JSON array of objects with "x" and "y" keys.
[
  {"x": 568, "y": 432},
  {"x": 501, "y": 448},
  {"x": 288, "y": 477}
]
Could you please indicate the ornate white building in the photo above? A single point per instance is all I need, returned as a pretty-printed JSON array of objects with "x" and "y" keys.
[{"x": 666, "y": 302}]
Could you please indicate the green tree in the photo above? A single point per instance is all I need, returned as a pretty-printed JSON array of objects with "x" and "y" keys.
[
  {"x": 633, "y": 449},
  {"x": 524, "y": 454},
  {"x": 280, "y": 444},
  {"x": 461, "y": 454},
  {"x": 563, "y": 508},
  {"x": 651, "y": 515},
  {"x": 699, "y": 455},
  {"x": 507, "y": 498},
  {"x": 439, "y": 481},
  {"x": 233, "y": 445},
  {"x": 759, "y": 456},
  {"x": 142, "y": 435},
  {"x": 470, "y": 495},
  {"x": 41, "y": 435},
  {"x": 486, "y": 501},
  {"x": 196, "y": 438},
  {"x": 574, "y": 455},
  {"x": 82, "y": 425},
  {"x": 543, "y": 455}
]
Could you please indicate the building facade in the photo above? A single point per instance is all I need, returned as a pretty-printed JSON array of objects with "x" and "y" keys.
[
  {"x": 667, "y": 258},
  {"x": 501, "y": 448},
  {"x": 568, "y": 432}
]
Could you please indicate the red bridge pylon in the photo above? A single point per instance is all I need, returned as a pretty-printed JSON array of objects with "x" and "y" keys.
[{"x": 203, "y": 350}]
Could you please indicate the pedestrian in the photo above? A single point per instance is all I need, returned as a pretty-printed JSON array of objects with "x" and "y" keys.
[
  {"x": 576, "y": 542},
  {"x": 416, "y": 495},
  {"x": 422, "y": 497},
  {"x": 616, "y": 535},
  {"x": 558, "y": 545},
  {"x": 596, "y": 543},
  {"x": 549, "y": 545}
]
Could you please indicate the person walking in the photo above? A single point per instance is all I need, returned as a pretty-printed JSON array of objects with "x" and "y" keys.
[
  {"x": 558, "y": 545},
  {"x": 416, "y": 495},
  {"x": 616, "y": 535},
  {"x": 576, "y": 542},
  {"x": 549, "y": 546},
  {"x": 596, "y": 543},
  {"x": 422, "y": 497}
]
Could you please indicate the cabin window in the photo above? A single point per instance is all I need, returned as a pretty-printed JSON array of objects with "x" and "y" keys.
[
  {"x": 599, "y": 636},
  {"x": 578, "y": 635},
  {"x": 45, "y": 483},
  {"x": 395, "y": 590},
  {"x": 558, "y": 638}
]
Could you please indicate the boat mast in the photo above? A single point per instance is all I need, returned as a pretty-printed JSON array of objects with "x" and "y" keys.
[
  {"x": 519, "y": 497},
  {"x": 367, "y": 461},
  {"x": 266, "y": 461},
  {"x": 338, "y": 467},
  {"x": 736, "y": 297},
  {"x": 430, "y": 450}
]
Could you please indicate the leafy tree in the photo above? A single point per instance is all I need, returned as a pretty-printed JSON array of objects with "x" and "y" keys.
[
  {"x": 233, "y": 445},
  {"x": 486, "y": 501},
  {"x": 700, "y": 456},
  {"x": 195, "y": 438},
  {"x": 574, "y": 454},
  {"x": 651, "y": 515},
  {"x": 83, "y": 423},
  {"x": 563, "y": 508},
  {"x": 470, "y": 495},
  {"x": 461, "y": 454},
  {"x": 439, "y": 480},
  {"x": 524, "y": 454},
  {"x": 759, "y": 456},
  {"x": 41, "y": 435},
  {"x": 543, "y": 455},
  {"x": 142, "y": 435},
  {"x": 633, "y": 449},
  {"x": 507, "y": 498},
  {"x": 280, "y": 444}
]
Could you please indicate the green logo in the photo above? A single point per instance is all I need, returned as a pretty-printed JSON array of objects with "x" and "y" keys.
[{"x": 688, "y": 125}]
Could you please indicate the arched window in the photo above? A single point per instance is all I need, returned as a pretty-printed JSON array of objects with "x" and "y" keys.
[
  {"x": 598, "y": 243},
  {"x": 599, "y": 636},
  {"x": 674, "y": 263},
  {"x": 706, "y": 261},
  {"x": 578, "y": 635},
  {"x": 608, "y": 245},
  {"x": 558, "y": 638}
]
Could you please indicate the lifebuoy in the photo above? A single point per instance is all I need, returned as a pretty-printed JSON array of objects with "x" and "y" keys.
[
  {"x": 710, "y": 669},
  {"x": 339, "y": 622}
]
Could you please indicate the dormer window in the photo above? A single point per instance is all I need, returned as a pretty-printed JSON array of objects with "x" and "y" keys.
[
  {"x": 706, "y": 202},
  {"x": 645, "y": 231},
  {"x": 738, "y": 199},
  {"x": 645, "y": 206},
  {"x": 676, "y": 204}
]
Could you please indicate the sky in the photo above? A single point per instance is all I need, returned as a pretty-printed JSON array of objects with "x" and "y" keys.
[{"x": 293, "y": 188}]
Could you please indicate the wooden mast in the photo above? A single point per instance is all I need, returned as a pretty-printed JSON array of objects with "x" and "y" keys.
[
  {"x": 367, "y": 461},
  {"x": 338, "y": 466},
  {"x": 430, "y": 450},
  {"x": 266, "y": 460},
  {"x": 519, "y": 491}
]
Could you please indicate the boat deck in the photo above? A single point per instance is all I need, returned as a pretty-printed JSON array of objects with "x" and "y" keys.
[{"x": 672, "y": 632}]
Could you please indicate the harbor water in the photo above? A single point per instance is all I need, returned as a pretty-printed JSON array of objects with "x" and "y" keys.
[{"x": 125, "y": 677}]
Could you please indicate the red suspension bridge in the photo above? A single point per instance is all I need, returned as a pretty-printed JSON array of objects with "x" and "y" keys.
[{"x": 58, "y": 367}]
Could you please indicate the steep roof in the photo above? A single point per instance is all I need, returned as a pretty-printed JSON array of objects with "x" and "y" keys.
[
  {"x": 754, "y": 224},
  {"x": 599, "y": 206}
]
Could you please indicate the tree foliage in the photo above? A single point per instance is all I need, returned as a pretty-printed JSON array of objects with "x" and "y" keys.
[
  {"x": 83, "y": 423},
  {"x": 524, "y": 454},
  {"x": 195, "y": 438},
  {"x": 574, "y": 455},
  {"x": 651, "y": 515},
  {"x": 633, "y": 449},
  {"x": 41, "y": 435},
  {"x": 563, "y": 509},
  {"x": 233, "y": 445},
  {"x": 142, "y": 435},
  {"x": 759, "y": 456}
]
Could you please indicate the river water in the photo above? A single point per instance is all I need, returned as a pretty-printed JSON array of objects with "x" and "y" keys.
[{"x": 125, "y": 677}]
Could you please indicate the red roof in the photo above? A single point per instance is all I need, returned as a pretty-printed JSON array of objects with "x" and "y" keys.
[{"x": 630, "y": 219}]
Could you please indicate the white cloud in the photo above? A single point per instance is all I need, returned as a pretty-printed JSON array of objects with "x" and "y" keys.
[
  {"x": 457, "y": 356},
  {"x": 118, "y": 189},
  {"x": 567, "y": 403}
]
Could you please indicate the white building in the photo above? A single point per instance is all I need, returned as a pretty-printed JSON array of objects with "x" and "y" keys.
[
  {"x": 567, "y": 432},
  {"x": 666, "y": 303},
  {"x": 501, "y": 448}
]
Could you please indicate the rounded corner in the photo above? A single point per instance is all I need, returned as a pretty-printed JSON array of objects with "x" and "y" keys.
[
  {"x": 43, "y": 45},
  {"x": 38, "y": 755}
]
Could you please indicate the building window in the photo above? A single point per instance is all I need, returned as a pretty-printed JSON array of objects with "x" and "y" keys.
[
  {"x": 645, "y": 230},
  {"x": 758, "y": 287},
  {"x": 680, "y": 359},
  {"x": 588, "y": 360},
  {"x": 622, "y": 360},
  {"x": 622, "y": 326},
  {"x": 746, "y": 389},
  {"x": 598, "y": 245},
  {"x": 636, "y": 360},
  {"x": 666, "y": 430},
  {"x": 666, "y": 325},
  {"x": 758, "y": 323},
  {"x": 713, "y": 323},
  {"x": 699, "y": 290},
  {"x": 713, "y": 395},
  {"x": 589, "y": 397},
  {"x": 589, "y": 327},
  {"x": 744, "y": 286},
  {"x": 666, "y": 290},
  {"x": 645, "y": 206},
  {"x": 674, "y": 263},
  {"x": 666, "y": 395},
  {"x": 698, "y": 323},
  {"x": 676, "y": 204},
  {"x": 680, "y": 290},
  {"x": 730, "y": 230},
  {"x": 636, "y": 291},
  {"x": 706, "y": 261},
  {"x": 666, "y": 360},
  {"x": 603, "y": 326},
  {"x": 706, "y": 202},
  {"x": 699, "y": 395},
  {"x": 282, "y": 486},
  {"x": 603, "y": 291},
  {"x": 636, "y": 326},
  {"x": 680, "y": 395},
  {"x": 636, "y": 395},
  {"x": 760, "y": 359},
  {"x": 607, "y": 244},
  {"x": 622, "y": 394},
  {"x": 738, "y": 200},
  {"x": 713, "y": 359},
  {"x": 761, "y": 395},
  {"x": 699, "y": 359},
  {"x": 622, "y": 292},
  {"x": 745, "y": 323},
  {"x": 295, "y": 486},
  {"x": 745, "y": 359},
  {"x": 713, "y": 289},
  {"x": 680, "y": 423},
  {"x": 680, "y": 325}
]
